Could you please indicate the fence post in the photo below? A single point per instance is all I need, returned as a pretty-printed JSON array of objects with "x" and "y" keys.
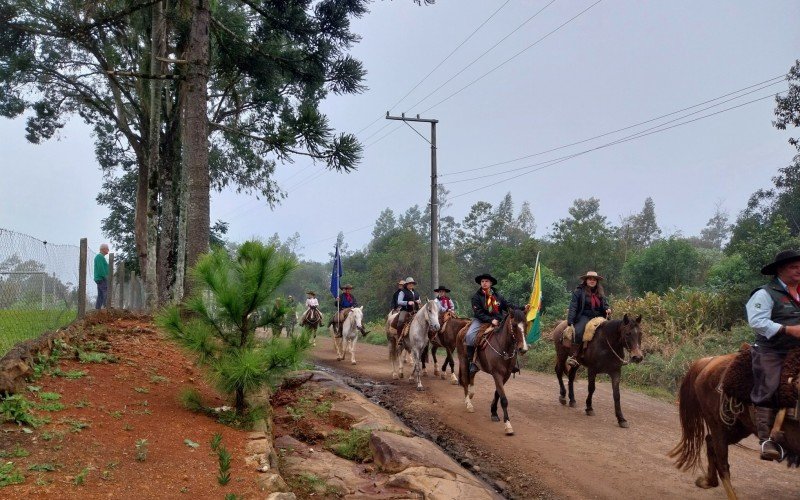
[
  {"x": 122, "y": 285},
  {"x": 110, "y": 279},
  {"x": 82, "y": 279}
]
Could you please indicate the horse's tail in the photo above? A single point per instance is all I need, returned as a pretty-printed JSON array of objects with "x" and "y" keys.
[{"x": 693, "y": 428}]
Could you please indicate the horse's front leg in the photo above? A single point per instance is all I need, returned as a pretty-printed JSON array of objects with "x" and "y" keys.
[
  {"x": 617, "y": 407},
  {"x": 337, "y": 343},
  {"x": 493, "y": 408},
  {"x": 562, "y": 391},
  {"x": 435, "y": 361},
  {"x": 352, "y": 344},
  {"x": 418, "y": 363},
  {"x": 424, "y": 359},
  {"x": 499, "y": 382},
  {"x": 449, "y": 360},
  {"x": 591, "y": 376}
]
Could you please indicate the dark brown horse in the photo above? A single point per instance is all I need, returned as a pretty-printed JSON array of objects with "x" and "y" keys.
[
  {"x": 604, "y": 354},
  {"x": 312, "y": 319},
  {"x": 497, "y": 359},
  {"x": 451, "y": 324},
  {"x": 706, "y": 420}
]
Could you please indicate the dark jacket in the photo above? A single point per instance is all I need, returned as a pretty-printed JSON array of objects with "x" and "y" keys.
[
  {"x": 408, "y": 295},
  {"x": 345, "y": 301},
  {"x": 482, "y": 313},
  {"x": 785, "y": 311},
  {"x": 581, "y": 305},
  {"x": 394, "y": 297}
]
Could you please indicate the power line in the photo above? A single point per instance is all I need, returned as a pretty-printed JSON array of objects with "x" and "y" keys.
[
  {"x": 465, "y": 40},
  {"x": 481, "y": 56},
  {"x": 632, "y": 137},
  {"x": 512, "y": 57},
  {"x": 761, "y": 85}
]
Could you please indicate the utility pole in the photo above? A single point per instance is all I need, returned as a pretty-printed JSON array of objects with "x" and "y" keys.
[{"x": 434, "y": 192}]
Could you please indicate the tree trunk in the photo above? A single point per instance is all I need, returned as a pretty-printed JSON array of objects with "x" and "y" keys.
[
  {"x": 195, "y": 136},
  {"x": 157, "y": 46}
]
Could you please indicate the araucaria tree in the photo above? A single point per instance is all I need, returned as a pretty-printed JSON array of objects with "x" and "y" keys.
[{"x": 231, "y": 298}]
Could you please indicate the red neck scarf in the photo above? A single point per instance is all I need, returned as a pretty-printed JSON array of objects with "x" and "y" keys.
[
  {"x": 596, "y": 301},
  {"x": 491, "y": 301},
  {"x": 445, "y": 302}
]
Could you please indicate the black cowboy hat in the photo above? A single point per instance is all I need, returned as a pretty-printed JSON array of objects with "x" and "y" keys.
[
  {"x": 441, "y": 289},
  {"x": 781, "y": 258},
  {"x": 485, "y": 276}
]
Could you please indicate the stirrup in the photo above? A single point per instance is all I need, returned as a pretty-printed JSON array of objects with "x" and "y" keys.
[
  {"x": 572, "y": 362},
  {"x": 780, "y": 449}
]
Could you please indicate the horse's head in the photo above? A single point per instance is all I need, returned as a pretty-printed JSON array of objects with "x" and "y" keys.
[
  {"x": 519, "y": 325},
  {"x": 631, "y": 335},
  {"x": 358, "y": 318},
  {"x": 431, "y": 312}
]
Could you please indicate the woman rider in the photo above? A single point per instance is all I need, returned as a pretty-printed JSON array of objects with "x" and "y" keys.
[{"x": 588, "y": 301}]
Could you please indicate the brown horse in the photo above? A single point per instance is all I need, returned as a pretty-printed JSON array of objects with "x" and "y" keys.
[
  {"x": 312, "y": 319},
  {"x": 604, "y": 354},
  {"x": 705, "y": 419},
  {"x": 497, "y": 359},
  {"x": 451, "y": 324}
]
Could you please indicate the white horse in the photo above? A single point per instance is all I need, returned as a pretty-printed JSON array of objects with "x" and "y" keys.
[
  {"x": 425, "y": 320},
  {"x": 397, "y": 354},
  {"x": 351, "y": 326}
]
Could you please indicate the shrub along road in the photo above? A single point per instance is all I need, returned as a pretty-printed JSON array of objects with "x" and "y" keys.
[{"x": 557, "y": 451}]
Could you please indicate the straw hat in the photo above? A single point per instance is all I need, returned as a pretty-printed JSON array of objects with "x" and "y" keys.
[
  {"x": 591, "y": 274},
  {"x": 347, "y": 287},
  {"x": 410, "y": 280}
]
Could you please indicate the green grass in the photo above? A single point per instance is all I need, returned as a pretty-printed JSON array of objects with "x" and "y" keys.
[
  {"x": 352, "y": 444},
  {"x": 23, "y": 324}
]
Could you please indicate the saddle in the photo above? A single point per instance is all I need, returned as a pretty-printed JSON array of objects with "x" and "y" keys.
[
  {"x": 737, "y": 381},
  {"x": 588, "y": 333},
  {"x": 406, "y": 326},
  {"x": 484, "y": 335}
]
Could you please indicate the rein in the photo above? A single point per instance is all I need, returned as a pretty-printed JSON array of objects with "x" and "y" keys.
[
  {"x": 504, "y": 355},
  {"x": 622, "y": 360}
]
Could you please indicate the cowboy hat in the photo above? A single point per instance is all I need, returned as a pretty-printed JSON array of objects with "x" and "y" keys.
[
  {"x": 410, "y": 280},
  {"x": 591, "y": 274},
  {"x": 441, "y": 289},
  {"x": 485, "y": 276},
  {"x": 401, "y": 282},
  {"x": 346, "y": 287},
  {"x": 311, "y": 293},
  {"x": 781, "y": 258}
]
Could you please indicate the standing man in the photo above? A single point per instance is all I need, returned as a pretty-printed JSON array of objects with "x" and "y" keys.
[
  {"x": 774, "y": 313},
  {"x": 101, "y": 276}
]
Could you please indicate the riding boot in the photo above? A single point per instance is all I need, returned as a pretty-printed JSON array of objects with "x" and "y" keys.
[
  {"x": 473, "y": 368},
  {"x": 765, "y": 418}
]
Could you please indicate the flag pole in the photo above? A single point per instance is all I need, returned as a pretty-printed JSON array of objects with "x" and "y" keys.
[{"x": 535, "y": 271}]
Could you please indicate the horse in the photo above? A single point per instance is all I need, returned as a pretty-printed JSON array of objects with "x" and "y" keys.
[
  {"x": 398, "y": 356},
  {"x": 708, "y": 418},
  {"x": 497, "y": 359},
  {"x": 604, "y": 354},
  {"x": 416, "y": 341},
  {"x": 351, "y": 326},
  {"x": 446, "y": 338},
  {"x": 312, "y": 320}
]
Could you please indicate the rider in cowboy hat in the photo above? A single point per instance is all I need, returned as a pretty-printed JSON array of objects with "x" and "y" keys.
[
  {"x": 588, "y": 301},
  {"x": 408, "y": 300},
  {"x": 312, "y": 307},
  {"x": 488, "y": 306},
  {"x": 445, "y": 304},
  {"x": 400, "y": 285},
  {"x": 344, "y": 303},
  {"x": 774, "y": 313}
]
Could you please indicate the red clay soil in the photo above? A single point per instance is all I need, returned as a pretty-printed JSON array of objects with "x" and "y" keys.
[{"x": 118, "y": 404}]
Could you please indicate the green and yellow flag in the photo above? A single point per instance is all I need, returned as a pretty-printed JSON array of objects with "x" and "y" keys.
[{"x": 534, "y": 316}]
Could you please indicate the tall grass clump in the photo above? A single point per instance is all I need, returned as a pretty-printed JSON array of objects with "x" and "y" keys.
[{"x": 233, "y": 296}]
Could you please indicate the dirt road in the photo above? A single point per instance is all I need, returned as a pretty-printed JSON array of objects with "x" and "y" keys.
[{"x": 557, "y": 451}]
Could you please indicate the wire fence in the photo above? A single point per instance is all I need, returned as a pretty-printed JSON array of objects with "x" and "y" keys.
[{"x": 39, "y": 287}]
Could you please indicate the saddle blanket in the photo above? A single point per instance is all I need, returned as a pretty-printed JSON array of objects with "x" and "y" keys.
[
  {"x": 588, "y": 333},
  {"x": 737, "y": 381}
]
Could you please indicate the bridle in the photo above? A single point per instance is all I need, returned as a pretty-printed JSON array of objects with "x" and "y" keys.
[
  {"x": 504, "y": 355},
  {"x": 625, "y": 345}
]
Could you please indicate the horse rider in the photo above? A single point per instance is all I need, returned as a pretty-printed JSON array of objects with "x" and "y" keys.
[
  {"x": 312, "y": 307},
  {"x": 774, "y": 313},
  {"x": 409, "y": 302},
  {"x": 488, "y": 306},
  {"x": 445, "y": 304},
  {"x": 588, "y": 301},
  {"x": 400, "y": 285},
  {"x": 344, "y": 303}
]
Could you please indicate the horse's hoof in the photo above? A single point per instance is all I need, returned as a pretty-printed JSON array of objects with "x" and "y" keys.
[
  {"x": 424, "y": 373},
  {"x": 509, "y": 429},
  {"x": 623, "y": 424},
  {"x": 495, "y": 418},
  {"x": 435, "y": 373},
  {"x": 352, "y": 362},
  {"x": 394, "y": 376},
  {"x": 573, "y": 404},
  {"x": 401, "y": 375},
  {"x": 454, "y": 380},
  {"x": 562, "y": 400},
  {"x": 470, "y": 409},
  {"x": 420, "y": 388},
  {"x": 703, "y": 482},
  {"x": 442, "y": 375},
  {"x": 590, "y": 413}
]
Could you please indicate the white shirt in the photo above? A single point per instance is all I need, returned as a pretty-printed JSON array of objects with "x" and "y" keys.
[
  {"x": 312, "y": 301},
  {"x": 759, "y": 312}
]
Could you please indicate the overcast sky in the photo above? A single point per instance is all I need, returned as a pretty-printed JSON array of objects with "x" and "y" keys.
[{"x": 617, "y": 64}]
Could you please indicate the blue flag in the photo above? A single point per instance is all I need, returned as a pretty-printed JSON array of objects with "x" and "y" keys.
[{"x": 336, "y": 273}]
